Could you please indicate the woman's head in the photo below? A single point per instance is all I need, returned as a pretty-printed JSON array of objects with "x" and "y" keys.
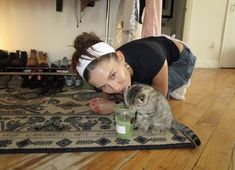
[
  {"x": 81, "y": 44},
  {"x": 99, "y": 64}
]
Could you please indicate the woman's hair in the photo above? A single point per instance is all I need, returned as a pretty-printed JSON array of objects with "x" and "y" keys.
[{"x": 81, "y": 44}]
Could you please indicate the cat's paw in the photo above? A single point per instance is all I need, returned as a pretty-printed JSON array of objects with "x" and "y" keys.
[
  {"x": 159, "y": 131},
  {"x": 141, "y": 131}
]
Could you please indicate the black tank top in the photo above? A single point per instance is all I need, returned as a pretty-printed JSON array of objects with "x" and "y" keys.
[{"x": 146, "y": 56}]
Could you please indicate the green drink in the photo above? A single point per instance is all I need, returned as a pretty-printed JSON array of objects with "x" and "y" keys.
[{"x": 124, "y": 118}]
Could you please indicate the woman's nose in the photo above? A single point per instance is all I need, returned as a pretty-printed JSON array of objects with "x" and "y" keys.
[{"x": 114, "y": 86}]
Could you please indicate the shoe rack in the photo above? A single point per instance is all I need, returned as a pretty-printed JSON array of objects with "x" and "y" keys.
[
  {"x": 18, "y": 71},
  {"x": 36, "y": 63}
]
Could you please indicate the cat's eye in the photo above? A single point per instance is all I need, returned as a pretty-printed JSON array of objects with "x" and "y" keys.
[{"x": 142, "y": 98}]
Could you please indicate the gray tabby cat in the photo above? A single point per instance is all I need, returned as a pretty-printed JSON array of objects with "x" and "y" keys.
[{"x": 153, "y": 112}]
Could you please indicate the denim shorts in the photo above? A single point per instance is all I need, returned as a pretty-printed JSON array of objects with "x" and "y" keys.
[{"x": 181, "y": 70}]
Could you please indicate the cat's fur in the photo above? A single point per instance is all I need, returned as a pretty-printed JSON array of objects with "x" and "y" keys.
[{"x": 153, "y": 112}]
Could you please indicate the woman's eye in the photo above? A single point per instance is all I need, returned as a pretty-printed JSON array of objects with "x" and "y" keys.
[
  {"x": 113, "y": 76},
  {"x": 102, "y": 88}
]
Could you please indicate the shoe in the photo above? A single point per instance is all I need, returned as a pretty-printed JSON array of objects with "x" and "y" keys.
[
  {"x": 5, "y": 62},
  {"x": 32, "y": 60},
  {"x": 23, "y": 56},
  {"x": 57, "y": 63},
  {"x": 25, "y": 82},
  {"x": 53, "y": 65},
  {"x": 4, "y": 80},
  {"x": 42, "y": 60},
  {"x": 180, "y": 92},
  {"x": 15, "y": 60},
  {"x": 77, "y": 81},
  {"x": 4, "y": 59},
  {"x": 35, "y": 83},
  {"x": 3, "y": 54},
  {"x": 64, "y": 63},
  {"x": 15, "y": 82},
  {"x": 58, "y": 84},
  {"x": 68, "y": 81}
]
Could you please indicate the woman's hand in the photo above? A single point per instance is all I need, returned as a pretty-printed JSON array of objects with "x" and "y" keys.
[{"x": 101, "y": 105}]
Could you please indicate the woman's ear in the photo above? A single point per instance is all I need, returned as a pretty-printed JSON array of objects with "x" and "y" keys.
[{"x": 120, "y": 56}]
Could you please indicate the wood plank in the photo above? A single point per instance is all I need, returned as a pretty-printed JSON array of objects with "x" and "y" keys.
[{"x": 109, "y": 160}]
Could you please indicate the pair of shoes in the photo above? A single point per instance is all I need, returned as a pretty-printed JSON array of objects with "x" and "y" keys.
[
  {"x": 31, "y": 83},
  {"x": 51, "y": 85},
  {"x": 64, "y": 63},
  {"x": 15, "y": 82},
  {"x": 73, "y": 81},
  {"x": 180, "y": 92},
  {"x": 18, "y": 58},
  {"x": 14, "y": 59},
  {"x": 34, "y": 60},
  {"x": 4, "y": 58}
]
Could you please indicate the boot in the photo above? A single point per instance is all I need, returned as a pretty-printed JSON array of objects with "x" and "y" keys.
[
  {"x": 3, "y": 54},
  {"x": 42, "y": 60},
  {"x": 23, "y": 57},
  {"x": 32, "y": 60},
  {"x": 4, "y": 59},
  {"x": 16, "y": 60}
]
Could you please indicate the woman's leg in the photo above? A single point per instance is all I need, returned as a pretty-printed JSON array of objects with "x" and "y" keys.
[{"x": 180, "y": 71}]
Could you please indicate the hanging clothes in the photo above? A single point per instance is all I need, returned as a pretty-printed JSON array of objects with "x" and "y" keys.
[
  {"x": 85, "y": 3},
  {"x": 152, "y": 18},
  {"x": 142, "y": 5},
  {"x": 126, "y": 22}
]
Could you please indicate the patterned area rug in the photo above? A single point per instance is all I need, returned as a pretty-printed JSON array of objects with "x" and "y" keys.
[{"x": 64, "y": 123}]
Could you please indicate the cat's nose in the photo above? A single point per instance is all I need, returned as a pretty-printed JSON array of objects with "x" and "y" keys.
[{"x": 125, "y": 89}]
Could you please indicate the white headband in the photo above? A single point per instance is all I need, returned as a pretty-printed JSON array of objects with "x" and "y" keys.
[{"x": 96, "y": 50}]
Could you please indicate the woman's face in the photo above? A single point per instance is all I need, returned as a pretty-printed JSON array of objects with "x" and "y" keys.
[{"x": 111, "y": 76}]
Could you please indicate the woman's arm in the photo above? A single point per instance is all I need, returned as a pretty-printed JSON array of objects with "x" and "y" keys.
[{"x": 160, "y": 81}]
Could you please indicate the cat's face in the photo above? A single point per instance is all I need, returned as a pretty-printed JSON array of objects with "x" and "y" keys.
[{"x": 138, "y": 95}]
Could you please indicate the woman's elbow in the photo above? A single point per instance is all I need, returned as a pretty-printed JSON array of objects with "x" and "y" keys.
[{"x": 163, "y": 90}]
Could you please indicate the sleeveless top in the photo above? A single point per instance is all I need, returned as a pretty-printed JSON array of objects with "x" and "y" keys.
[{"x": 146, "y": 56}]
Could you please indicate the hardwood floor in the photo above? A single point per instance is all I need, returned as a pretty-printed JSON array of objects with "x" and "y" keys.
[{"x": 209, "y": 109}]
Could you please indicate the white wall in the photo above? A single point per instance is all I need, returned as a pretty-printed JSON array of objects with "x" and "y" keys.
[
  {"x": 204, "y": 29},
  {"x": 35, "y": 24}
]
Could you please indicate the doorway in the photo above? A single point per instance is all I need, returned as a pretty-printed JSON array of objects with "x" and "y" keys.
[
  {"x": 173, "y": 17},
  {"x": 227, "y": 57}
]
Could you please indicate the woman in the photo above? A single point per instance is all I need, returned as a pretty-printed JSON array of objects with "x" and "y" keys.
[{"x": 163, "y": 62}]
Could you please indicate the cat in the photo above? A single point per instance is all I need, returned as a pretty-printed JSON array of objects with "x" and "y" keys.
[{"x": 153, "y": 112}]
